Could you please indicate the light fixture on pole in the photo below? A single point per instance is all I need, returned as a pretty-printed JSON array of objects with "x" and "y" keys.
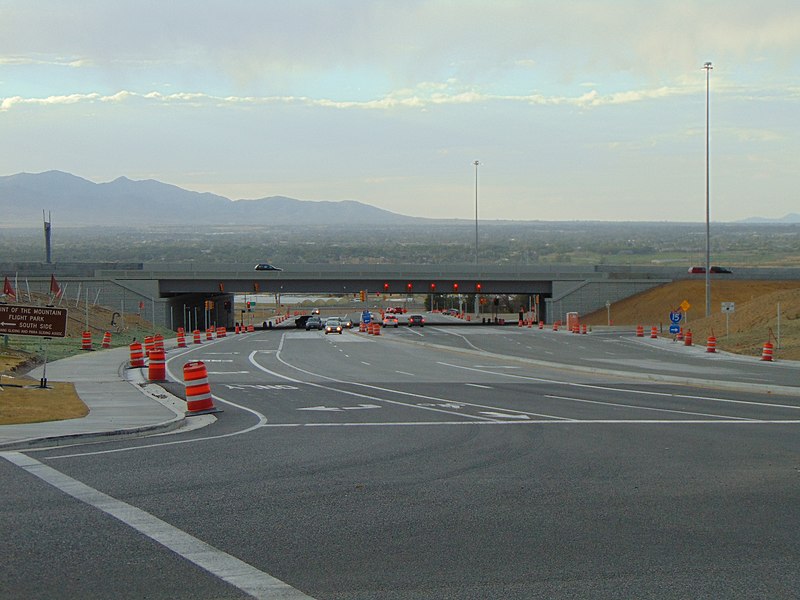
[{"x": 708, "y": 68}]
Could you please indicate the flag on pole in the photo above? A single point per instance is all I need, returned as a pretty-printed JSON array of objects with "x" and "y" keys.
[
  {"x": 54, "y": 287},
  {"x": 8, "y": 289}
]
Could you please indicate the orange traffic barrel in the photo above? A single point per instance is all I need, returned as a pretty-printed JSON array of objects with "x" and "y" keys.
[
  {"x": 209, "y": 335},
  {"x": 711, "y": 345},
  {"x": 198, "y": 392},
  {"x": 221, "y": 332},
  {"x": 148, "y": 344},
  {"x": 640, "y": 331},
  {"x": 653, "y": 332},
  {"x": 584, "y": 329},
  {"x": 158, "y": 341},
  {"x": 766, "y": 352},
  {"x": 106, "y": 340},
  {"x": 541, "y": 324},
  {"x": 181, "y": 338},
  {"x": 137, "y": 355},
  {"x": 688, "y": 340},
  {"x": 251, "y": 328},
  {"x": 196, "y": 336},
  {"x": 157, "y": 369},
  {"x": 86, "y": 340}
]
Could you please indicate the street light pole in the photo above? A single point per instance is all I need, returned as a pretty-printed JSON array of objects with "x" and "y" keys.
[
  {"x": 708, "y": 68},
  {"x": 476, "y": 163}
]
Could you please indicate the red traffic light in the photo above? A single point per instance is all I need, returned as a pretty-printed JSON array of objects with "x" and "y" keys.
[
  {"x": 478, "y": 287},
  {"x": 385, "y": 287},
  {"x": 433, "y": 287},
  {"x": 455, "y": 287},
  {"x": 409, "y": 286}
]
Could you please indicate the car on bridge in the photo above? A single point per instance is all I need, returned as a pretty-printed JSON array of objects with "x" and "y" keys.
[{"x": 266, "y": 267}]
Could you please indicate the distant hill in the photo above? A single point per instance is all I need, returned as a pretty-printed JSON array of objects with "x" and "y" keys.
[
  {"x": 124, "y": 202},
  {"x": 790, "y": 218}
]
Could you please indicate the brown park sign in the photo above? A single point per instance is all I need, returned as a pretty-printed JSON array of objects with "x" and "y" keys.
[{"x": 43, "y": 321}]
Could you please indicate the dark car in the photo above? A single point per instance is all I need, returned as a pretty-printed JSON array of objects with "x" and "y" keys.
[
  {"x": 314, "y": 322},
  {"x": 346, "y": 322},
  {"x": 333, "y": 326},
  {"x": 266, "y": 267},
  {"x": 716, "y": 269},
  {"x": 416, "y": 320},
  {"x": 300, "y": 321}
]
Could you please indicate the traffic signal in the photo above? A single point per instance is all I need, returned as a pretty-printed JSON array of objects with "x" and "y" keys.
[
  {"x": 455, "y": 287},
  {"x": 248, "y": 306},
  {"x": 408, "y": 286},
  {"x": 227, "y": 305},
  {"x": 433, "y": 287},
  {"x": 256, "y": 286},
  {"x": 385, "y": 287},
  {"x": 478, "y": 287},
  {"x": 221, "y": 287},
  {"x": 363, "y": 295}
]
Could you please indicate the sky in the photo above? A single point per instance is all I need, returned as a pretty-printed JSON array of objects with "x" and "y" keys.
[{"x": 575, "y": 110}]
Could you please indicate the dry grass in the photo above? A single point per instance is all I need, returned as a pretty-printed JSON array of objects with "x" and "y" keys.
[
  {"x": 23, "y": 401},
  {"x": 754, "y": 321}
]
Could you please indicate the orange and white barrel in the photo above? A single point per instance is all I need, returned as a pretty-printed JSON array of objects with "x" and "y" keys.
[
  {"x": 181, "y": 338},
  {"x": 221, "y": 332},
  {"x": 640, "y": 331},
  {"x": 198, "y": 391},
  {"x": 688, "y": 338},
  {"x": 196, "y": 337},
  {"x": 157, "y": 368},
  {"x": 209, "y": 334},
  {"x": 541, "y": 324},
  {"x": 86, "y": 340},
  {"x": 766, "y": 351},
  {"x": 137, "y": 355},
  {"x": 158, "y": 341},
  {"x": 106, "y": 340},
  {"x": 653, "y": 332},
  {"x": 711, "y": 344}
]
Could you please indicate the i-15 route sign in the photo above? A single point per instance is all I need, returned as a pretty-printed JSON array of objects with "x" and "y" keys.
[{"x": 43, "y": 321}]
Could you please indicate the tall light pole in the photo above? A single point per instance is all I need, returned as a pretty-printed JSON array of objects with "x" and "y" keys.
[
  {"x": 476, "y": 163},
  {"x": 708, "y": 68}
]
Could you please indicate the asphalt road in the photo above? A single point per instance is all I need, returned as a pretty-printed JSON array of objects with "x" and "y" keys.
[{"x": 428, "y": 463}]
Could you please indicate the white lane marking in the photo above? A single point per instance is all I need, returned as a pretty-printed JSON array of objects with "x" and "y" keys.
[
  {"x": 366, "y": 363},
  {"x": 224, "y": 566},
  {"x": 620, "y": 405},
  {"x": 478, "y": 385},
  {"x": 543, "y": 422},
  {"x": 470, "y": 344},
  {"x": 340, "y": 408},
  {"x": 419, "y": 333},
  {"x": 501, "y": 415},
  {"x": 405, "y": 373},
  {"x": 380, "y": 389},
  {"x": 627, "y": 391}
]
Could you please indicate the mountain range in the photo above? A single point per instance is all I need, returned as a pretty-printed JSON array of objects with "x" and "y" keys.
[{"x": 124, "y": 202}]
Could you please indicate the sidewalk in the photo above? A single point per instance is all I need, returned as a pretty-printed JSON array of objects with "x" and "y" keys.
[{"x": 120, "y": 403}]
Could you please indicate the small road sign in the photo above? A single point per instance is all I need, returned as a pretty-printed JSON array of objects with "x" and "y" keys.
[
  {"x": 675, "y": 316},
  {"x": 42, "y": 321},
  {"x": 728, "y": 307},
  {"x": 674, "y": 329},
  {"x": 685, "y": 306},
  {"x": 366, "y": 317}
]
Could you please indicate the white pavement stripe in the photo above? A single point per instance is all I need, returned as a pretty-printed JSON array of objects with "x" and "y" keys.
[
  {"x": 649, "y": 408},
  {"x": 224, "y": 566}
]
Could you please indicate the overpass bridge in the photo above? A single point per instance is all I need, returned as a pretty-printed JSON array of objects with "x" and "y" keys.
[{"x": 173, "y": 295}]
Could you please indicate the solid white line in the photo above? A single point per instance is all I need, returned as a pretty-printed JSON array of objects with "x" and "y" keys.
[
  {"x": 405, "y": 373},
  {"x": 620, "y": 405},
  {"x": 478, "y": 385},
  {"x": 219, "y": 564}
]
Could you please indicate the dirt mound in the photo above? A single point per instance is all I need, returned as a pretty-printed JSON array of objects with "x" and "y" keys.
[{"x": 753, "y": 322}]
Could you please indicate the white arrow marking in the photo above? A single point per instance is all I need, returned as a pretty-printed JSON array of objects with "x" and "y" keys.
[
  {"x": 500, "y": 415},
  {"x": 336, "y": 408}
]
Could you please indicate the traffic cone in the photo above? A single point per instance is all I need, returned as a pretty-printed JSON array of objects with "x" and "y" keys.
[
  {"x": 157, "y": 368},
  {"x": 137, "y": 355},
  {"x": 106, "y": 340},
  {"x": 198, "y": 392}
]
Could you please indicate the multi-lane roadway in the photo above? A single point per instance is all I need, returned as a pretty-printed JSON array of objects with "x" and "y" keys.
[{"x": 431, "y": 463}]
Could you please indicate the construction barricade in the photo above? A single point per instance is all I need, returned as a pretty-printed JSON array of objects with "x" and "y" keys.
[
  {"x": 711, "y": 344},
  {"x": 688, "y": 338},
  {"x": 198, "y": 391},
  {"x": 654, "y": 333},
  {"x": 196, "y": 337},
  {"x": 86, "y": 340},
  {"x": 181, "y": 338},
  {"x": 766, "y": 352},
  {"x": 640, "y": 331},
  {"x": 106, "y": 343},
  {"x": 157, "y": 367},
  {"x": 137, "y": 355}
]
